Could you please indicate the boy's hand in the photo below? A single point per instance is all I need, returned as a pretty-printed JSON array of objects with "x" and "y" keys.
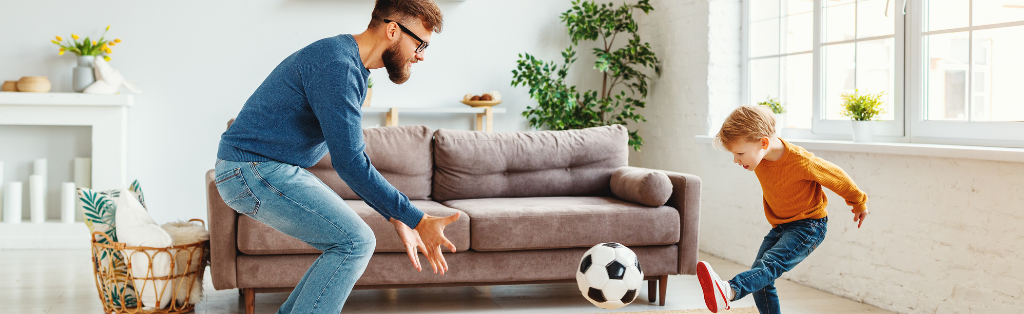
[{"x": 859, "y": 217}]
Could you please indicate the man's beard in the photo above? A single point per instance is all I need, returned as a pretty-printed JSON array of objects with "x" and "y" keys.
[{"x": 395, "y": 64}]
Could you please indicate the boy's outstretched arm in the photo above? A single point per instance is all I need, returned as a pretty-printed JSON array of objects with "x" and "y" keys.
[{"x": 834, "y": 178}]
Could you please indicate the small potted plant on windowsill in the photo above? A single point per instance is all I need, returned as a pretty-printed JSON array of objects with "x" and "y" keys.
[
  {"x": 778, "y": 109},
  {"x": 862, "y": 109},
  {"x": 369, "y": 92}
]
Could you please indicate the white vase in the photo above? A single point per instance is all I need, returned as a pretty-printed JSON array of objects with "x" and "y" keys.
[
  {"x": 862, "y": 131},
  {"x": 82, "y": 75}
]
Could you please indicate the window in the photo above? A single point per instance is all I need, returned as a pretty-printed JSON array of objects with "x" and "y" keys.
[{"x": 952, "y": 70}]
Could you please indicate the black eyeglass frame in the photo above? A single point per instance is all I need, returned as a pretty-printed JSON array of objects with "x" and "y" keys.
[{"x": 423, "y": 44}]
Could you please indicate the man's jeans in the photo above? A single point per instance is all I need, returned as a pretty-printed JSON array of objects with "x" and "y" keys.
[
  {"x": 783, "y": 248},
  {"x": 293, "y": 201}
]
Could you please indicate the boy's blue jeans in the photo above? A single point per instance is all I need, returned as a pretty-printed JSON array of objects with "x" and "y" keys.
[
  {"x": 783, "y": 248},
  {"x": 293, "y": 201}
]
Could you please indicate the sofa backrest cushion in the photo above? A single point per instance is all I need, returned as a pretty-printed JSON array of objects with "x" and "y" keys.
[
  {"x": 401, "y": 154},
  {"x": 527, "y": 164}
]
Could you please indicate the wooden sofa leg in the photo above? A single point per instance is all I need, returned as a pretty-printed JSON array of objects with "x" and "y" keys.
[
  {"x": 652, "y": 295},
  {"x": 662, "y": 287},
  {"x": 250, "y": 300}
]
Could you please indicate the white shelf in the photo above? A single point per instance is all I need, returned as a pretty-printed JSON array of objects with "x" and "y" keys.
[
  {"x": 910, "y": 149},
  {"x": 64, "y": 99},
  {"x": 430, "y": 110},
  {"x": 43, "y": 236}
]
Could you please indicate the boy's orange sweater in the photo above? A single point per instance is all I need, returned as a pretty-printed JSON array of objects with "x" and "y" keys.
[{"x": 792, "y": 186}]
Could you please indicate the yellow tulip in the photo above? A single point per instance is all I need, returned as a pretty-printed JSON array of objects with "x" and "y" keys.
[
  {"x": 61, "y": 53},
  {"x": 108, "y": 27},
  {"x": 110, "y": 44},
  {"x": 60, "y": 39},
  {"x": 117, "y": 41},
  {"x": 106, "y": 58},
  {"x": 75, "y": 37},
  {"x": 93, "y": 42},
  {"x": 54, "y": 42}
]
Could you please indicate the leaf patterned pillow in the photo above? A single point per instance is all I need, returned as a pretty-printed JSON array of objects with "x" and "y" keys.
[{"x": 99, "y": 207}]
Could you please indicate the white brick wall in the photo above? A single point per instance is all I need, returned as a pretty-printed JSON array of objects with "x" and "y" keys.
[{"x": 944, "y": 236}]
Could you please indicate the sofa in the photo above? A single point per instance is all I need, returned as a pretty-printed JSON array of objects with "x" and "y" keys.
[{"x": 532, "y": 203}]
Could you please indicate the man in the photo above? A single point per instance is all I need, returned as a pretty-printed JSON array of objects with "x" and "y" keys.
[{"x": 311, "y": 104}]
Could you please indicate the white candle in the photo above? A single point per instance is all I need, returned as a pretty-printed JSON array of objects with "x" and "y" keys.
[
  {"x": 36, "y": 198},
  {"x": 67, "y": 205},
  {"x": 12, "y": 202},
  {"x": 39, "y": 167},
  {"x": 83, "y": 172}
]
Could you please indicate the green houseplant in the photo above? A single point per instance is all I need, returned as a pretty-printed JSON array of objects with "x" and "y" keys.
[
  {"x": 779, "y": 109},
  {"x": 862, "y": 108},
  {"x": 561, "y": 106}
]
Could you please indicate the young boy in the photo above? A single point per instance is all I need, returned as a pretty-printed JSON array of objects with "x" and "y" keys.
[{"x": 791, "y": 180}]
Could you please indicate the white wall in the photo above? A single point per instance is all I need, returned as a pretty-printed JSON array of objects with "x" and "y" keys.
[
  {"x": 198, "y": 61},
  {"x": 944, "y": 235}
]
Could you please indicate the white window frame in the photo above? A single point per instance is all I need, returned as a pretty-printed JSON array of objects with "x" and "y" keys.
[
  {"x": 975, "y": 133},
  {"x": 908, "y": 125}
]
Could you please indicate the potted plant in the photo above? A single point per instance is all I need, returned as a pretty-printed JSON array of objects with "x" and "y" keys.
[
  {"x": 778, "y": 109},
  {"x": 87, "y": 50},
  {"x": 369, "y": 92},
  {"x": 862, "y": 108},
  {"x": 623, "y": 67}
]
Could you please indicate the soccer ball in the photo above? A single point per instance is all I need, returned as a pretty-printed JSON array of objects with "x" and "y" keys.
[{"x": 609, "y": 275}]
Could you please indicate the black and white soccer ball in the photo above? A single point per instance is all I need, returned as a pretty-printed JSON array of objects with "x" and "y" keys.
[{"x": 609, "y": 275}]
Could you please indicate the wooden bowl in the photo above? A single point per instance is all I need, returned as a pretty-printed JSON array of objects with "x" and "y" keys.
[
  {"x": 34, "y": 84},
  {"x": 10, "y": 86},
  {"x": 481, "y": 103}
]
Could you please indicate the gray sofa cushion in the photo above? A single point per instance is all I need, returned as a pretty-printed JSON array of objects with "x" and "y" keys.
[
  {"x": 501, "y": 224},
  {"x": 255, "y": 238},
  {"x": 641, "y": 186},
  {"x": 402, "y": 154},
  {"x": 520, "y": 164}
]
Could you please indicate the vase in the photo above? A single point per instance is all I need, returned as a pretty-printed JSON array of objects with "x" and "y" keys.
[
  {"x": 34, "y": 84},
  {"x": 369, "y": 94},
  {"x": 862, "y": 131},
  {"x": 780, "y": 122},
  {"x": 83, "y": 75}
]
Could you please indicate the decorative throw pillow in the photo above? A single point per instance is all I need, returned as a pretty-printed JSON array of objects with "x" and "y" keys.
[
  {"x": 183, "y": 233},
  {"x": 99, "y": 207},
  {"x": 135, "y": 228},
  {"x": 641, "y": 186}
]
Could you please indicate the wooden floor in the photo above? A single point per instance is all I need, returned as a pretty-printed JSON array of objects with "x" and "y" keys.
[{"x": 60, "y": 281}]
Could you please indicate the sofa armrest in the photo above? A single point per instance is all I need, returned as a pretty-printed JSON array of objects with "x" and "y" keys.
[
  {"x": 686, "y": 198},
  {"x": 223, "y": 236}
]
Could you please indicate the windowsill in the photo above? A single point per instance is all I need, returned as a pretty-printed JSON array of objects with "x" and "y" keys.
[{"x": 909, "y": 149}]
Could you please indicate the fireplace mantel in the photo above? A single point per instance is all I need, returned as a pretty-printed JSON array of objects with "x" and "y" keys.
[{"x": 108, "y": 117}]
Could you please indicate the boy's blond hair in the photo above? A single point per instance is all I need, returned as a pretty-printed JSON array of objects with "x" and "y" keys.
[{"x": 746, "y": 123}]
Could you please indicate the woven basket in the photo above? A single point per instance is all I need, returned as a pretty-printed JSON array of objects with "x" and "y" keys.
[{"x": 112, "y": 283}]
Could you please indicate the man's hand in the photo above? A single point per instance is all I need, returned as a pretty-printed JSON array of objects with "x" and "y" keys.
[
  {"x": 431, "y": 231},
  {"x": 859, "y": 217},
  {"x": 412, "y": 242}
]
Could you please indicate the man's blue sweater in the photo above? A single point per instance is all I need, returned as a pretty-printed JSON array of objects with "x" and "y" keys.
[{"x": 311, "y": 104}]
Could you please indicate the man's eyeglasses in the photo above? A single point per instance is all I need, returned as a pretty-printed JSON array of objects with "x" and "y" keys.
[{"x": 423, "y": 44}]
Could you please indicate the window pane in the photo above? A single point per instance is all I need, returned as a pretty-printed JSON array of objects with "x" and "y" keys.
[
  {"x": 797, "y": 90},
  {"x": 839, "y": 22},
  {"x": 799, "y": 32},
  {"x": 764, "y": 79},
  {"x": 946, "y": 14},
  {"x": 764, "y": 39},
  {"x": 875, "y": 19},
  {"x": 876, "y": 66},
  {"x": 998, "y": 93},
  {"x": 997, "y": 11},
  {"x": 763, "y": 9},
  {"x": 945, "y": 85},
  {"x": 798, "y": 6},
  {"x": 840, "y": 77}
]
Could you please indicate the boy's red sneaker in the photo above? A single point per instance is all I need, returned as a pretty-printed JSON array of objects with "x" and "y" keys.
[{"x": 714, "y": 292}]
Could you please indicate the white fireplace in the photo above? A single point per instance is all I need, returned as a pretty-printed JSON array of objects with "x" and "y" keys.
[{"x": 108, "y": 117}]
